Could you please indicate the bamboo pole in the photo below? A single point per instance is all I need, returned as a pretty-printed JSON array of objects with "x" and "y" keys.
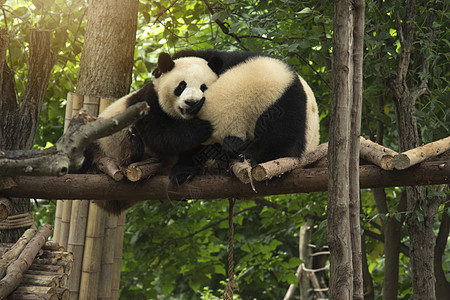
[
  {"x": 77, "y": 235},
  {"x": 93, "y": 249},
  {"x": 65, "y": 223},
  {"x": 87, "y": 229},
  {"x": 77, "y": 103},
  {"x": 69, "y": 105},
  {"x": 118, "y": 250},
  {"x": 107, "y": 265},
  {"x": 91, "y": 105},
  {"x": 111, "y": 238},
  {"x": 58, "y": 217},
  {"x": 73, "y": 106},
  {"x": 104, "y": 103}
]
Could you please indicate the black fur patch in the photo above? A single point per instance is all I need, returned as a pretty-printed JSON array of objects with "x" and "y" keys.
[{"x": 165, "y": 64}]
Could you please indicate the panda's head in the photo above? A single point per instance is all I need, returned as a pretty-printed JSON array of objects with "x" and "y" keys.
[{"x": 180, "y": 84}]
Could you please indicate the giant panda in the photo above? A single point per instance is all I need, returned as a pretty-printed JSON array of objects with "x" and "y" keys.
[
  {"x": 161, "y": 133},
  {"x": 259, "y": 107}
]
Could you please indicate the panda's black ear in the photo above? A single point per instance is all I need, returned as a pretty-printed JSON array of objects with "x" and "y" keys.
[
  {"x": 165, "y": 62},
  {"x": 216, "y": 64}
]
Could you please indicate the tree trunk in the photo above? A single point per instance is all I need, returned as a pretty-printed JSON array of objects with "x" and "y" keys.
[
  {"x": 392, "y": 239},
  {"x": 105, "y": 71},
  {"x": 18, "y": 123},
  {"x": 305, "y": 255},
  {"x": 421, "y": 213},
  {"x": 355, "y": 133},
  {"x": 442, "y": 285},
  {"x": 369, "y": 293},
  {"x": 108, "y": 52},
  {"x": 339, "y": 241}
]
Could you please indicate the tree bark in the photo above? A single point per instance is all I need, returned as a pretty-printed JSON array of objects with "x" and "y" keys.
[
  {"x": 420, "y": 214},
  {"x": 369, "y": 293},
  {"x": 112, "y": 26},
  {"x": 339, "y": 241},
  {"x": 101, "y": 187},
  {"x": 18, "y": 123},
  {"x": 16, "y": 270},
  {"x": 417, "y": 155},
  {"x": 392, "y": 240},
  {"x": 442, "y": 285},
  {"x": 355, "y": 133},
  {"x": 105, "y": 71}
]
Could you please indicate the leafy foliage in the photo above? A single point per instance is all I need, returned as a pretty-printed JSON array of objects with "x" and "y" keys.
[
  {"x": 66, "y": 20},
  {"x": 185, "y": 246}
]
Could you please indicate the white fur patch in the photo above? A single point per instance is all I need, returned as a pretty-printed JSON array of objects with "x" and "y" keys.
[
  {"x": 235, "y": 101},
  {"x": 312, "y": 119},
  {"x": 110, "y": 144},
  {"x": 195, "y": 72}
]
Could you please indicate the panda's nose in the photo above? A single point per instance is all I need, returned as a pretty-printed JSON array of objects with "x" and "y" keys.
[
  {"x": 194, "y": 106},
  {"x": 191, "y": 102}
]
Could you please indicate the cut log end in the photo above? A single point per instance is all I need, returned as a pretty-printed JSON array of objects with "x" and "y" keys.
[
  {"x": 242, "y": 170},
  {"x": 387, "y": 163},
  {"x": 259, "y": 173},
  {"x": 5, "y": 208},
  {"x": 142, "y": 170},
  {"x": 133, "y": 173},
  {"x": 110, "y": 167},
  {"x": 401, "y": 162}
]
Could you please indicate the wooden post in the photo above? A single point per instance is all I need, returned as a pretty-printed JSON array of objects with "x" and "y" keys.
[
  {"x": 118, "y": 250},
  {"x": 107, "y": 263},
  {"x": 81, "y": 228},
  {"x": 65, "y": 223},
  {"x": 341, "y": 271},
  {"x": 77, "y": 236},
  {"x": 92, "y": 257}
]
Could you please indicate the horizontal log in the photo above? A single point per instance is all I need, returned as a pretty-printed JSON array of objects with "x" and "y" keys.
[
  {"x": 417, "y": 155},
  {"x": 32, "y": 296},
  {"x": 101, "y": 187}
]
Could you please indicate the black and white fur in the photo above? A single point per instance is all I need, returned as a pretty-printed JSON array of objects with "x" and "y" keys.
[
  {"x": 259, "y": 107},
  {"x": 179, "y": 86}
]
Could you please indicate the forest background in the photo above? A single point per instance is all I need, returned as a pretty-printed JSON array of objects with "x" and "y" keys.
[{"x": 179, "y": 249}]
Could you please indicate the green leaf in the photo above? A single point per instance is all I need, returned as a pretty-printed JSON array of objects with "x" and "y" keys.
[
  {"x": 258, "y": 31},
  {"x": 306, "y": 10},
  {"x": 221, "y": 15},
  {"x": 195, "y": 285},
  {"x": 290, "y": 278},
  {"x": 294, "y": 262}
]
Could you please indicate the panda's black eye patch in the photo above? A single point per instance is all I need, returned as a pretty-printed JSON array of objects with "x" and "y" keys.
[
  {"x": 203, "y": 87},
  {"x": 180, "y": 88}
]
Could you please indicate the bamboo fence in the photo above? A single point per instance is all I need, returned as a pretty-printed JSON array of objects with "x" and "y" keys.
[{"x": 94, "y": 237}]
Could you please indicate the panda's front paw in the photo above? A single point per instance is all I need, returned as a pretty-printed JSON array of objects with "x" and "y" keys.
[
  {"x": 233, "y": 144},
  {"x": 203, "y": 130},
  {"x": 180, "y": 174}
]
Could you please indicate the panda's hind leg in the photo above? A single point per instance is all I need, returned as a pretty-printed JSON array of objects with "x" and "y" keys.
[
  {"x": 188, "y": 165},
  {"x": 235, "y": 148},
  {"x": 123, "y": 148},
  {"x": 131, "y": 149}
]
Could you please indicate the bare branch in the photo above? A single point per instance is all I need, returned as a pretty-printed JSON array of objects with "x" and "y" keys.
[
  {"x": 68, "y": 151},
  {"x": 101, "y": 187}
]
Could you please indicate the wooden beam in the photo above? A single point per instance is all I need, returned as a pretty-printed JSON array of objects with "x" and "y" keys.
[{"x": 101, "y": 187}]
